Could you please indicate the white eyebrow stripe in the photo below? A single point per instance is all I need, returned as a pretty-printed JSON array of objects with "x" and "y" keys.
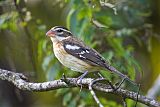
[
  {"x": 62, "y": 29},
  {"x": 70, "y": 47}
]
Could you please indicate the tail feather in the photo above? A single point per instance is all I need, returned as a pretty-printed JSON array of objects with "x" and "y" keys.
[{"x": 114, "y": 70}]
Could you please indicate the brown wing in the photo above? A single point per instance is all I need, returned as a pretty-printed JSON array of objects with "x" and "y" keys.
[{"x": 78, "y": 49}]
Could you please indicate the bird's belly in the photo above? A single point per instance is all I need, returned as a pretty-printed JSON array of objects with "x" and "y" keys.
[{"x": 72, "y": 62}]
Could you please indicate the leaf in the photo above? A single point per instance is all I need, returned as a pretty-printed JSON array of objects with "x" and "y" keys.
[
  {"x": 67, "y": 98},
  {"x": 17, "y": 1}
]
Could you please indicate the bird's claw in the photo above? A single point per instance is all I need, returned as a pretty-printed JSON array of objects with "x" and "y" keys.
[{"x": 79, "y": 83}]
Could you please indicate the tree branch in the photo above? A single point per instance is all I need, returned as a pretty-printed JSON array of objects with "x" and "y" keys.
[{"x": 21, "y": 82}]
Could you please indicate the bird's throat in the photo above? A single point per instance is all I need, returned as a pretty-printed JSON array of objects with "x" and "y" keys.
[{"x": 53, "y": 39}]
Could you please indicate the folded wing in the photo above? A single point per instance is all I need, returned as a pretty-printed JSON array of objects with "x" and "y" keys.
[{"x": 79, "y": 50}]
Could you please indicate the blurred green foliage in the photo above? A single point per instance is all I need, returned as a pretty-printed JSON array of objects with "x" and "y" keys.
[{"x": 125, "y": 30}]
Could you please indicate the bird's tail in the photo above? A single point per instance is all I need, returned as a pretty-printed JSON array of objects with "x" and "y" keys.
[{"x": 114, "y": 70}]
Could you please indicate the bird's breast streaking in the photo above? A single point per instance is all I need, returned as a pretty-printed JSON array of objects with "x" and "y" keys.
[{"x": 69, "y": 60}]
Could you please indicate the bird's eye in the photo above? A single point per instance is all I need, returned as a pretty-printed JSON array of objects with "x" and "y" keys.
[{"x": 59, "y": 30}]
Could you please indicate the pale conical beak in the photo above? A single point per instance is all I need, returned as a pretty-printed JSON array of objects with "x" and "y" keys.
[{"x": 50, "y": 33}]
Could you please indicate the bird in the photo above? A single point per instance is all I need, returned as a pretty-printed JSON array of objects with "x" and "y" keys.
[{"x": 76, "y": 55}]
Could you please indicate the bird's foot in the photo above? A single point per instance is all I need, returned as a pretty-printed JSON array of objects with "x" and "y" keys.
[
  {"x": 96, "y": 80},
  {"x": 79, "y": 82},
  {"x": 109, "y": 82},
  {"x": 80, "y": 78}
]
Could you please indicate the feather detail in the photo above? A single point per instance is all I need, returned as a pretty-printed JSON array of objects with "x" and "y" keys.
[
  {"x": 71, "y": 61},
  {"x": 82, "y": 52}
]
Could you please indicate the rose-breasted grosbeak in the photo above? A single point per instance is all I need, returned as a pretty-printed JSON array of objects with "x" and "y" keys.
[{"x": 74, "y": 54}]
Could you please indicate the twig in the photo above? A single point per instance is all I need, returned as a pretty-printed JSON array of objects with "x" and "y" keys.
[
  {"x": 98, "y": 24},
  {"x": 137, "y": 95},
  {"x": 109, "y": 5},
  {"x": 124, "y": 102},
  {"x": 22, "y": 84},
  {"x": 119, "y": 85},
  {"x": 93, "y": 93}
]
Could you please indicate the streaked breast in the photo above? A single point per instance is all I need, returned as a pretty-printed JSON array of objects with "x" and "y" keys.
[{"x": 70, "y": 61}]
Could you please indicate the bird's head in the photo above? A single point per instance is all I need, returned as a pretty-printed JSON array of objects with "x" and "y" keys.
[{"x": 58, "y": 33}]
